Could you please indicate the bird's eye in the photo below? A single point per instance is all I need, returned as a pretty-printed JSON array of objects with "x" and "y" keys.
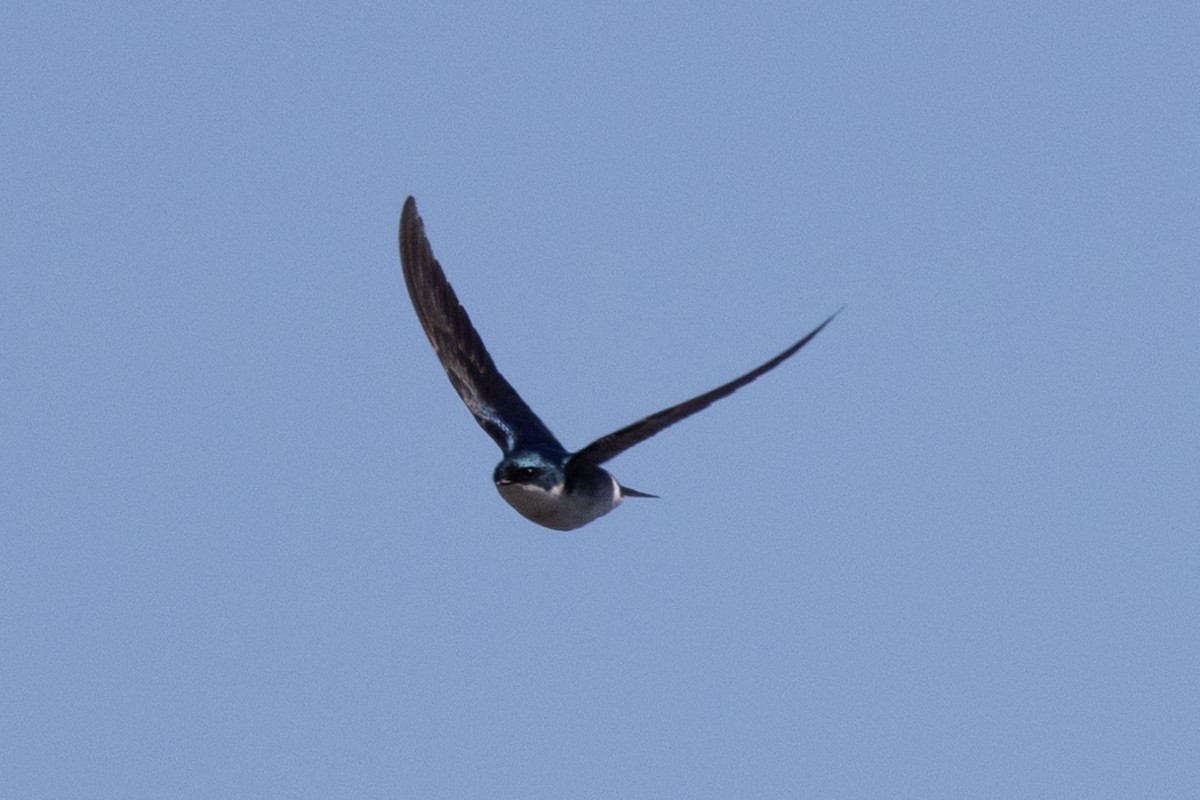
[{"x": 528, "y": 472}]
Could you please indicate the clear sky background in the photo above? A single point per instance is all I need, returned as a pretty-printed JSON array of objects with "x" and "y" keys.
[{"x": 249, "y": 545}]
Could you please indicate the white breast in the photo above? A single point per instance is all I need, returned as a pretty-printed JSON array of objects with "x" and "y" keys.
[{"x": 556, "y": 509}]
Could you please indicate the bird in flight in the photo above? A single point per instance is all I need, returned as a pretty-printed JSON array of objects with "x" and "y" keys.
[{"x": 537, "y": 475}]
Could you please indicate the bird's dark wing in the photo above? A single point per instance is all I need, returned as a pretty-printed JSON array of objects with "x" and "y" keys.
[
  {"x": 611, "y": 445},
  {"x": 497, "y": 407}
]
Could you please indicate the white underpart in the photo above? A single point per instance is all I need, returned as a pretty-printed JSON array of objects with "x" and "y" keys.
[{"x": 554, "y": 509}]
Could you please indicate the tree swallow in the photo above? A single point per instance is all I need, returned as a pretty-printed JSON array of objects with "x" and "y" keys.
[{"x": 537, "y": 476}]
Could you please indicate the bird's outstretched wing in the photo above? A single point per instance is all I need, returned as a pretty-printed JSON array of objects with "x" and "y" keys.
[
  {"x": 618, "y": 442},
  {"x": 497, "y": 407}
]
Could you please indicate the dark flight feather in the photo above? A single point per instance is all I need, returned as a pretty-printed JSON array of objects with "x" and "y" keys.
[
  {"x": 497, "y": 407},
  {"x": 618, "y": 442}
]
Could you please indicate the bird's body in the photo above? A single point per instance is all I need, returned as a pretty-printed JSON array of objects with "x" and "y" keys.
[
  {"x": 537, "y": 476},
  {"x": 558, "y": 504}
]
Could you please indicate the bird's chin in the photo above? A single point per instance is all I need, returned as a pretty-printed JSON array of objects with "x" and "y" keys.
[{"x": 520, "y": 495}]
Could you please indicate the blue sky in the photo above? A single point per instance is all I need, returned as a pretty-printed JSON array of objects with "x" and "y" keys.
[{"x": 249, "y": 543}]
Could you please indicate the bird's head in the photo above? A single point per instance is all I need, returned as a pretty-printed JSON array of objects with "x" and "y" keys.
[{"x": 529, "y": 469}]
